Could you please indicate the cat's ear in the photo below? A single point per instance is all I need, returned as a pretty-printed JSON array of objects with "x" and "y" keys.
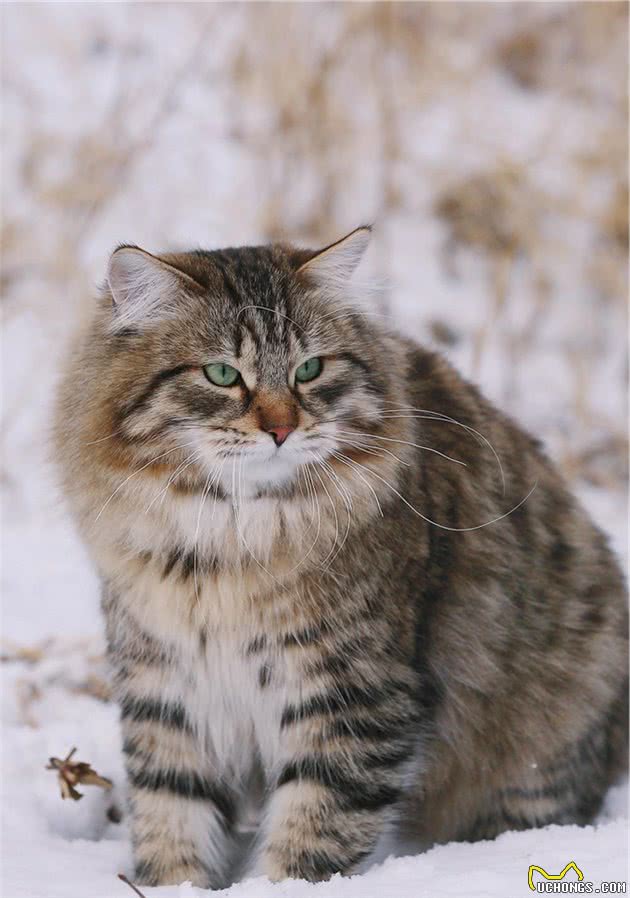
[
  {"x": 143, "y": 287},
  {"x": 335, "y": 264}
]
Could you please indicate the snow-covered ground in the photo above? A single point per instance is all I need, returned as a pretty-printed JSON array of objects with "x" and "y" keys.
[{"x": 488, "y": 141}]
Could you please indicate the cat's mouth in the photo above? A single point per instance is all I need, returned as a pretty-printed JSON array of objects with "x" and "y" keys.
[
  {"x": 263, "y": 464},
  {"x": 296, "y": 448},
  {"x": 247, "y": 462}
]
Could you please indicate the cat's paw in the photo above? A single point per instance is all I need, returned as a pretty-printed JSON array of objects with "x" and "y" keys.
[
  {"x": 277, "y": 867},
  {"x": 171, "y": 874}
]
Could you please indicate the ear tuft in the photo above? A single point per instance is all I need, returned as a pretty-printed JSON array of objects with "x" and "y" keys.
[
  {"x": 142, "y": 286},
  {"x": 335, "y": 264}
]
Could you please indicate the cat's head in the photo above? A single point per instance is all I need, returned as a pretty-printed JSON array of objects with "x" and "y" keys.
[{"x": 253, "y": 361}]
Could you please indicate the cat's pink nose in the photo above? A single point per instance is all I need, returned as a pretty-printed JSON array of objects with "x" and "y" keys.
[{"x": 279, "y": 434}]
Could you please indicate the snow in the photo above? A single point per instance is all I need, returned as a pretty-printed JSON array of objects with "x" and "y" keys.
[
  {"x": 121, "y": 125},
  {"x": 55, "y": 849}
]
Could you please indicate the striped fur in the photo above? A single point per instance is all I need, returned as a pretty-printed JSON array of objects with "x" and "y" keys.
[{"x": 324, "y": 629}]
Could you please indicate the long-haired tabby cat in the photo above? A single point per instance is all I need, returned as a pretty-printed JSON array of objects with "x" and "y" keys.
[{"x": 335, "y": 578}]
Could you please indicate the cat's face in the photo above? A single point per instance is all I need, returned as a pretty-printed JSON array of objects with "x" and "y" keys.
[{"x": 247, "y": 360}]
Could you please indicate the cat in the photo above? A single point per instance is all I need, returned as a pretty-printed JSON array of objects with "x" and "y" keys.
[{"x": 337, "y": 582}]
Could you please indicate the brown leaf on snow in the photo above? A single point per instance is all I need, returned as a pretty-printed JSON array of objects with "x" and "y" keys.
[{"x": 72, "y": 773}]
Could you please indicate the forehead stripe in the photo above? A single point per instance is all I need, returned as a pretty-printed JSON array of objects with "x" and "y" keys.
[{"x": 275, "y": 312}]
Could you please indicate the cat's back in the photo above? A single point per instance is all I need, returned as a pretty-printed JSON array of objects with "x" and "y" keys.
[
  {"x": 523, "y": 609},
  {"x": 508, "y": 505}
]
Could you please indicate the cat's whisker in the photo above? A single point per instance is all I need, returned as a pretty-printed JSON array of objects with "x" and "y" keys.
[
  {"x": 303, "y": 494},
  {"x": 346, "y": 495},
  {"x": 377, "y": 436},
  {"x": 334, "y": 510},
  {"x": 139, "y": 471},
  {"x": 353, "y": 466},
  {"x": 301, "y": 487},
  {"x": 313, "y": 544},
  {"x": 429, "y": 415},
  {"x": 307, "y": 497},
  {"x": 328, "y": 470},
  {"x": 109, "y": 436},
  {"x": 377, "y": 451},
  {"x": 307, "y": 474},
  {"x": 435, "y": 523},
  {"x": 316, "y": 506},
  {"x": 309, "y": 494},
  {"x": 190, "y": 460}
]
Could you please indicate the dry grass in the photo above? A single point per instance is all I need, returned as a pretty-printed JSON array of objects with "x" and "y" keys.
[{"x": 74, "y": 666}]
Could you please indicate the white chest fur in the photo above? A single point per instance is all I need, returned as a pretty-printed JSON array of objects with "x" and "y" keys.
[
  {"x": 229, "y": 667},
  {"x": 238, "y": 701}
]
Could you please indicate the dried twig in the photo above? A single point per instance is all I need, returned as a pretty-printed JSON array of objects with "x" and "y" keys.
[
  {"x": 71, "y": 773},
  {"x": 130, "y": 884}
]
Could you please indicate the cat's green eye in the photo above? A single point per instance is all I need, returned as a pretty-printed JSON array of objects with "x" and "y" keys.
[
  {"x": 221, "y": 375},
  {"x": 308, "y": 370}
]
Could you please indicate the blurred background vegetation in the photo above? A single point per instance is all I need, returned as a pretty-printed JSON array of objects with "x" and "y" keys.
[{"x": 488, "y": 141}]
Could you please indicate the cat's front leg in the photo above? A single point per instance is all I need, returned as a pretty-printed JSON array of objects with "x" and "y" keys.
[
  {"x": 181, "y": 812},
  {"x": 347, "y": 752}
]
